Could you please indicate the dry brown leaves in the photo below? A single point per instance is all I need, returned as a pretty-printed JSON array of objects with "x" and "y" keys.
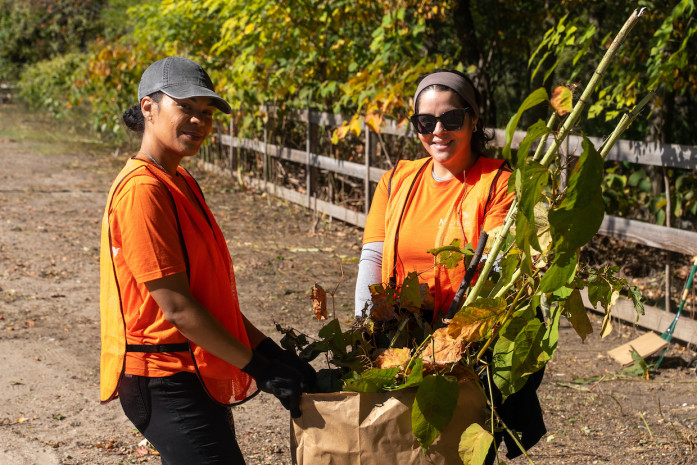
[
  {"x": 319, "y": 302},
  {"x": 443, "y": 349},
  {"x": 382, "y": 309}
]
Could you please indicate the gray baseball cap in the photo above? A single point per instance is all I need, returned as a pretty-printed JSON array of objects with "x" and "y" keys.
[{"x": 179, "y": 78}]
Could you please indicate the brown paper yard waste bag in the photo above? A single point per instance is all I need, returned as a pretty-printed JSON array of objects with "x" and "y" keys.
[{"x": 351, "y": 428}]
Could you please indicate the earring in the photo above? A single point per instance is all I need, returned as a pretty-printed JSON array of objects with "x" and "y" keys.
[{"x": 474, "y": 129}]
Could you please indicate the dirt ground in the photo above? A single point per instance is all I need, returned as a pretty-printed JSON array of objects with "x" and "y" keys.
[{"x": 53, "y": 184}]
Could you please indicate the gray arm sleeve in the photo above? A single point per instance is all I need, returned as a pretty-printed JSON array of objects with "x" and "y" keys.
[{"x": 369, "y": 272}]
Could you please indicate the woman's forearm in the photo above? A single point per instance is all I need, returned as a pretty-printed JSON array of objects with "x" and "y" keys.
[
  {"x": 369, "y": 272},
  {"x": 195, "y": 322}
]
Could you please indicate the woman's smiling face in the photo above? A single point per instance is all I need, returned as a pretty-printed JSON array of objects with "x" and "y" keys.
[
  {"x": 181, "y": 125},
  {"x": 450, "y": 150}
]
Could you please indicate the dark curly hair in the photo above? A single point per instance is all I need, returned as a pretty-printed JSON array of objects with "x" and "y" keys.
[
  {"x": 133, "y": 117},
  {"x": 480, "y": 138}
]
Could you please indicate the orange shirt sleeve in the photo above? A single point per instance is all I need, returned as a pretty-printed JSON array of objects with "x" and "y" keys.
[
  {"x": 374, "y": 230},
  {"x": 145, "y": 226}
]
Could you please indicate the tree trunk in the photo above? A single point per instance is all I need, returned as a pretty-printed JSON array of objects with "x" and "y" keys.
[{"x": 472, "y": 54}]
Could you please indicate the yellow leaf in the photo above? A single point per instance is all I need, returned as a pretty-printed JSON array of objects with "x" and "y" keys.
[
  {"x": 476, "y": 321},
  {"x": 249, "y": 28},
  {"x": 393, "y": 358},
  {"x": 355, "y": 125},
  {"x": 374, "y": 122},
  {"x": 443, "y": 349},
  {"x": 561, "y": 100},
  {"x": 340, "y": 133}
]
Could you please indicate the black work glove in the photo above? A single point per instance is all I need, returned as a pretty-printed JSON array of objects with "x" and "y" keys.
[
  {"x": 276, "y": 378},
  {"x": 273, "y": 351}
]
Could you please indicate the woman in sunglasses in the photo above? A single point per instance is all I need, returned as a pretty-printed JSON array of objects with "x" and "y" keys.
[{"x": 453, "y": 193}]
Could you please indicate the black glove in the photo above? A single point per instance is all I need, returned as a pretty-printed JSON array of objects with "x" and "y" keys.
[
  {"x": 273, "y": 351},
  {"x": 276, "y": 378}
]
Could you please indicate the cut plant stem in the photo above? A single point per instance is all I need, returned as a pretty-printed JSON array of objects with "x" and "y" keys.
[
  {"x": 592, "y": 84},
  {"x": 552, "y": 151},
  {"x": 625, "y": 122},
  {"x": 540, "y": 147},
  {"x": 494, "y": 412}
]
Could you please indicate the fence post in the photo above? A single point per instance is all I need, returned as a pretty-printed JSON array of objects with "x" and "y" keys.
[
  {"x": 308, "y": 160},
  {"x": 232, "y": 144},
  {"x": 265, "y": 167},
  {"x": 366, "y": 181},
  {"x": 666, "y": 183}
]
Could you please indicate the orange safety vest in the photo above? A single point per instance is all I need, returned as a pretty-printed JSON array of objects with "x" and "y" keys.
[
  {"x": 204, "y": 248},
  {"x": 481, "y": 205}
]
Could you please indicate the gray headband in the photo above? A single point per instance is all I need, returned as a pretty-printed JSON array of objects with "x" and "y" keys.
[{"x": 453, "y": 81}]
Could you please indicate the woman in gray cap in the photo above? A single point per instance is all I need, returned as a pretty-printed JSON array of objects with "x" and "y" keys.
[
  {"x": 455, "y": 192},
  {"x": 176, "y": 350}
]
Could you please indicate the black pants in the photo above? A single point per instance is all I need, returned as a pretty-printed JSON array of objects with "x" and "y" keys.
[{"x": 180, "y": 420}]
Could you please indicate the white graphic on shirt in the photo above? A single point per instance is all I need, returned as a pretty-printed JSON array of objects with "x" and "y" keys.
[{"x": 115, "y": 251}]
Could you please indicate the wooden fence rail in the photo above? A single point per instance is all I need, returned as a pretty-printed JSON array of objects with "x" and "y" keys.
[{"x": 651, "y": 154}]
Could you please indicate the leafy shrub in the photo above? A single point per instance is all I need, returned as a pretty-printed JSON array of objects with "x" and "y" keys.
[
  {"x": 49, "y": 84},
  {"x": 37, "y": 30}
]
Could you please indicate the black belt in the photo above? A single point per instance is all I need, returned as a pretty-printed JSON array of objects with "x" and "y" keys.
[{"x": 154, "y": 348}]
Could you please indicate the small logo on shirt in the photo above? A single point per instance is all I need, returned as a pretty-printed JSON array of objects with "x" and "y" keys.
[
  {"x": 452, "y": 224},
  {"x": 115, "y": 251}
]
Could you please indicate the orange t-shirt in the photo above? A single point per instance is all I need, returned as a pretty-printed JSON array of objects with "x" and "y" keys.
[
  {"x": 144, "y": 230},
  {"x": 426, "y": 213},
  {"x": 433, "y": 213}
]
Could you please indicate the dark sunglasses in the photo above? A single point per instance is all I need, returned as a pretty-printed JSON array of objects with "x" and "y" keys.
[{"x": 451, "y": 120}]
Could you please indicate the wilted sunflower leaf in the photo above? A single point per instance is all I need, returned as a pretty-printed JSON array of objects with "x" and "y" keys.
[{"x": 474, "y": 322}]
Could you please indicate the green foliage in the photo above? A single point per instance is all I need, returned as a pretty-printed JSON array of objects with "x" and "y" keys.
[
  {"x": 575, "y": 312},
  {"x": 433, "y": 408},
  {"x": 537, "y": 97},
  {"x": 660, "y": 63},
  {"x": 576, "y": 219},
  {"x": 451, "y": 255},
  {"x": 523, "y": 347},
  {"x": 46, "y": 84},
  {"x": 32, "y": 31},
  {"x": 628, "y": 192},
  {"x": 474, "y": 445}
]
